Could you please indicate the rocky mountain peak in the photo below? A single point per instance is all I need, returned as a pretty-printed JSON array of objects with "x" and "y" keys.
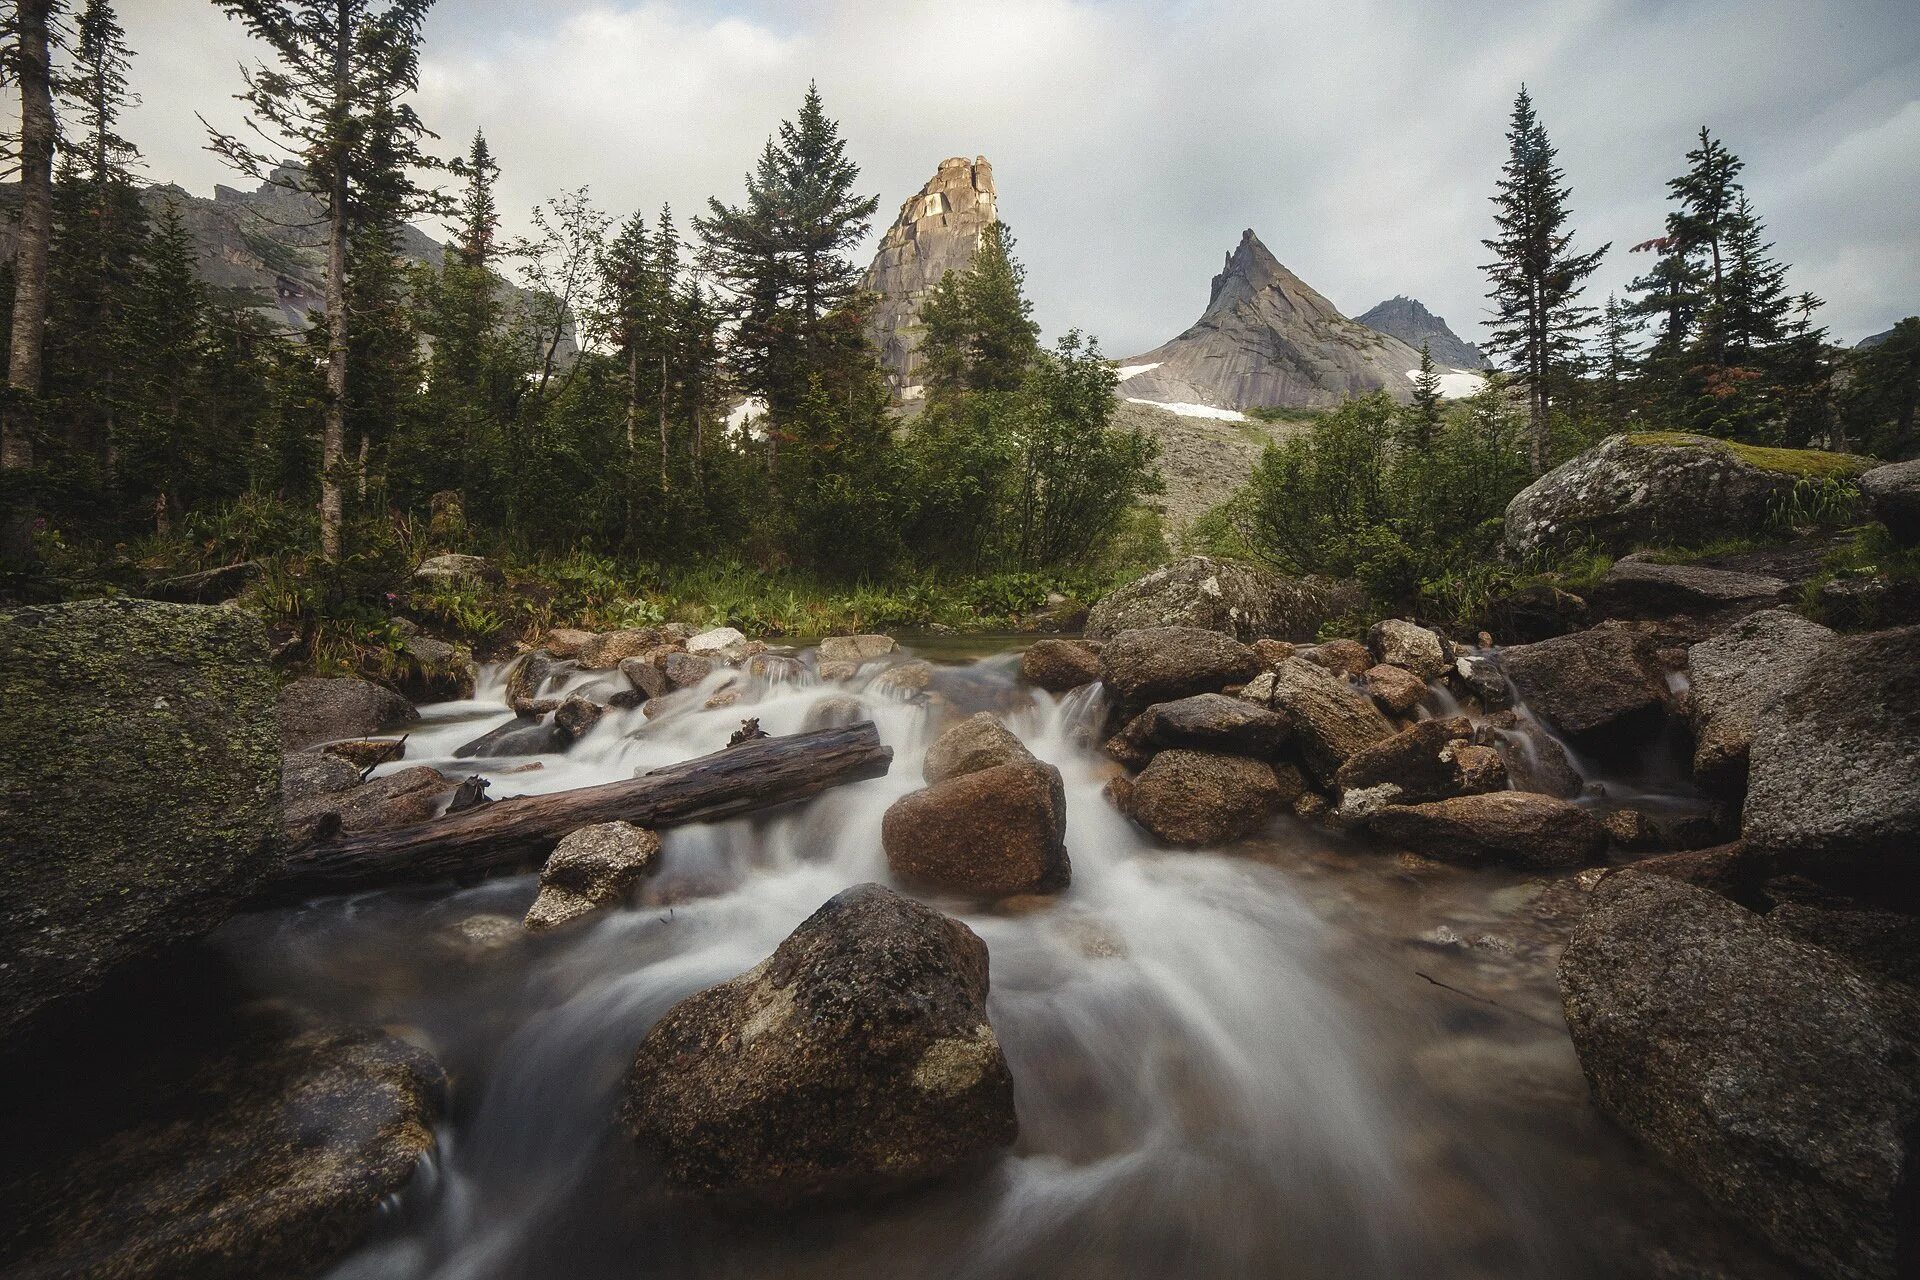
[
  {"x": 1409, "y": 320},
  {"x": 937, "y": 231}
]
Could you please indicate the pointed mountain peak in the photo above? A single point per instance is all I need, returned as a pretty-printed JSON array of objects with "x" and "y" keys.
[{"x": 1409, "y": 320}]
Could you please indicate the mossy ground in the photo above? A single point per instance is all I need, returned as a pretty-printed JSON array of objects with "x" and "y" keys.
[{"x": 1813, "y": 463}]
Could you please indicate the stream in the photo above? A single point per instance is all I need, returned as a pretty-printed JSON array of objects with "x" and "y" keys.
[{"x": 1301, "y": 1057}]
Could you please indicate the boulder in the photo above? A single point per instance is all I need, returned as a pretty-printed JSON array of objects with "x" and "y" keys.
[
  {"x": 1777, "y": 1078},
  {"x": 1538, "y": 611},
  {"x": 1060, "y": 665},
  {"x": 1639, "y": 588},
  {"x": 594, "y": 867},
  {"x": 1479, "y": 676},
  {"x": 904, "y": 679},
  {"x": 1331, "y": 719},
  {"x": 1833, "y": 774},
  {"x": 1204, "y": 722},
  {"x": 1159, "y": 664},
  {"x": 527, "y": 680},
  {"x": 853, "y": 649},
  {"x": 607, "y": 650},
  {"x": 835, "y": 711},
  {"x": 1395, "y": 690},
  {"x": 575, "y": 718},
  {"x": 723, "y": 644},
  {"x": 1893, "y": 494},
  {"x": 271, "y": 1158},
  {"x": 996, "y": 831},
  {"x": 1272, "y": 652},
  {"x": 139, "y": 787},
  {"x": 365, "y": 753},
  {"x": 1732, "y": 677},
  {"x": 646, "y": 679},
  {"x": 1533, "y": 759},
  {"x": 1196, "y": 798},
  {"x": 856, "y": 1059},
  {"x": 397, "y": 799},
  {"x": 1398, "y": 643},
  {"x": 1238, "y": 600},
  {"x": 685, "y": 670},
  {"x": 1661, "y": 488},
  {"x": 978, "y": 742},
  {"x": 317, "y": 709},
  {"x": 1603, "y": 688},
  {"x": 1431, "y": 760},
  {"x": 520, "y": 736},
  {"x": 566, "y": 642},
  {"x": 453, "y": 567},
  {"x": 1882, "y": 942},
  {"x": 1499, "y": 828},
  {"x": 1342, "y": 657},
  {"x": 208, "y": 586}
]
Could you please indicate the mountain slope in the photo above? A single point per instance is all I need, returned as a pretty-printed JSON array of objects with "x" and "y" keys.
[
  {"x": 1268, "y": 338},
  {"x": 937, "y": 231},
  {"x": 1408, "y": 320}
]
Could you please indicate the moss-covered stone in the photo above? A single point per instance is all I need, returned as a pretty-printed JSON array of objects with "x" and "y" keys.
[
  {"x": 1815, "y": 463},
  {"x": 139, "y": 786}
]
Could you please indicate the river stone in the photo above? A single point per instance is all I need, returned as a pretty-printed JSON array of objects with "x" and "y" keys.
[
  {"x": 318, "y": 709},
  {"x": 1196, "y": 798},
  {"x": 647, "y": 680},
  {"x": 527, "y": 679},
  {"x": 593, "y": 867},
  {"x": 566, "y": 642},
  {"x": 1640, "y": 588},
  {"x": 1497, "y": 828},
  {"x": 1060, "y": 665},
  {"x": 139, "y": 788},
  {"x": 1331, "y": 719},
  {"x": 1893, "y": 494},
  {"x": 398, "y": 799},
  {"x": 1159, "y": 664},
  {"x": 856, "y": 1059},
  {"x": 1342, "y": 657},
  {"x": 1398, "y": 643},
  {"x": 835, "y": 711},
  {"x": 1395, "y": 690},
  {"x": 1538, "y": 611},
  {"x": 996, "y": 831},
  {"x": 1780, "y": 1080},
  {"x": 725, "y": 644},
  {"x": 1533, "y": 758},
  {"x": 1238, "y": 600},
  {"x": 272, "y": 1158},
  {"x": 607, "y": 650},
  {"x": 1431, "y": 760},
  {"x": 1603, "y": 687},
  {"x": 853, "y": 649},
  {"x": 1731, "y": 679},
  {"x": 978, "y": 742},
  {"x": 1833, "y": 775},
  {"x": 1659, "y": 488},
  {"x": 1205, "y": 722}
]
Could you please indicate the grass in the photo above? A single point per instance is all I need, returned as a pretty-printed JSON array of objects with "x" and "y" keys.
[{"x": 1814, "y": 463}]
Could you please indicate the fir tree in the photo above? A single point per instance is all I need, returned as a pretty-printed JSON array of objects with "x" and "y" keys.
[
  {"x": 1884, "y": 393},
  {"x": 1750, "y": 304},
  {"x": 1801, "y": 367},
  {"x": 478, "y": 226},
  {"x": 1536, "y": 278},
  {"x": 980, "y": 334},
  {"x": 1420, "y": 419},
  {"x": 1707, "y": 194},
  {"x": 334, "y": 99}
]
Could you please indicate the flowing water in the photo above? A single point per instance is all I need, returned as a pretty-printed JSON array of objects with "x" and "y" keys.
[{"x": 1297, "y": 1058}]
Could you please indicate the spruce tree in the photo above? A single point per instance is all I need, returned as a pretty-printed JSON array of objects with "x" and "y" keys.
[
  {"x": 979, "y": 329},
  {"x": 1536, "y": 277},
  {"x": 1420, "y": 419},
  {"x": 1707, "y": 194},
  {"x": 478, "y": 224},
  {"x": 334, "y": 99}
]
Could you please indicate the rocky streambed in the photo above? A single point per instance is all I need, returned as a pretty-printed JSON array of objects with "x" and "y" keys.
[{"x": 1187, "y": 951}]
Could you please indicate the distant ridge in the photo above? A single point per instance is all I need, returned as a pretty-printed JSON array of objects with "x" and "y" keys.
[{"x": 1409, "y": 320}]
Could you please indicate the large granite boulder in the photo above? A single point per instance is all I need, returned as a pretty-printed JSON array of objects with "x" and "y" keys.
[
  {"x": 1602, "y": 688},
  {"x": 1239, "y": 600},
  {"x": 1060, "y": 665},
  {"x": 1893, "y": 494},
  {"x": 318, "y": 709},
  {"x": 1661, "y": 488},
  {"x": 1732, "y": 677},
  {"x": 1196, "y": 798},
  {"x": 1780, "y": 1080},
  {"x": 139, "y": 787},
  {"x": 272, "y": 1157},
  {"x": 1833, "y": 774},
  {"x": 856, "y": 1059},
  {"x": 1331, "y": 719},
  {"x": 1204, "y": 722},
  {"x": 978, "y": 742},
  {"x": 1159, "y": 664},
  {"x": 1495, "y": 828},
  {"x": 1411, "y": 647},
  {"x": 990, "y": 832},
  {"x": 1640, "y": 588}
]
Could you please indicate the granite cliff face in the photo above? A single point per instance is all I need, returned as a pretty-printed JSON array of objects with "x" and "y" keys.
[
  {"x": 1409, "y": 320},
  {"x": 937, "y": 231},
  {"x": 1268, "y": 338}
]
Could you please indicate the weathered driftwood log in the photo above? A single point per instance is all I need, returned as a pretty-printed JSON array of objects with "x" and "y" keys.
[{"x": 522, "y": 830}]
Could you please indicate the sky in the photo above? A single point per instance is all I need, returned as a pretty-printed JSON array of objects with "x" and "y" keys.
[{"x": 1133, "y": 141}]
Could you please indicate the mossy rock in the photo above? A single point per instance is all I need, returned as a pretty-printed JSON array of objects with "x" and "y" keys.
[
  {"x": 1659, "y": 488},
  {"x": 139, "y": 786}
]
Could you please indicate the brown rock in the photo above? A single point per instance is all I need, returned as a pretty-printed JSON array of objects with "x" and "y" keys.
[
  {"x": 1060, "y": 665},
  {"x": 976, "y": 743},
  {"x": 594, "y": 867},
  {"x": 1204, "y": 722},
  {"x": 1396, "y": 642},
  {"x": 1272, "y": 652},
  {"x": 575, "y": 717},
  {"x": 856, "y": 1059},
  {"x": 854, "y": 649},
  {"x": 1196, "y": 798},
  {"x": 315, "y": 710},
  {"x": 1395, "y": 690},
  {"x": 1159, "y": 664},
  {"x": 566, "y": 642},
  {"x": 647, "y": 680},
  {"x": 606, "y": 651},
  {"x": 997, "y": 831},
  {"x": 1603, "y": 688},
  {"x": 365, "y": 753},
  {"x": 685, "y": 670},
  {"x": 1331, "y": 719},
  {"x": 1503, "y": 828},
  {"x": 1342, "y": 657},
  {"x": 1417, "y": 764}
]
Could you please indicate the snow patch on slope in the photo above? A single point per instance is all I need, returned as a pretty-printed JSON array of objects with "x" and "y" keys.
[
  {"x": 1188, "y": 410},
  {"x": 1454, "y": 384},
  {"x": 1126, "y": 371}
]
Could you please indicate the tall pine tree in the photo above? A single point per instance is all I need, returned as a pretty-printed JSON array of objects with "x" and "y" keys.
[{"x": 1536, "y": 278}]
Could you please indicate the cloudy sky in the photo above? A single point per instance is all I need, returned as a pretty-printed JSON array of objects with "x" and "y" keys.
[{"x": 1133, "y": 140}]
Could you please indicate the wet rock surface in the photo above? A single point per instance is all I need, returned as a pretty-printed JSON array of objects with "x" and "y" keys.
[
  {"x": 978, "y": 742},
  {"x": 1779, "y": 1079},
  {"x": 1641, "y": 588},
  {"x": 992, "y": 831},
  {"x": 1160, "y": 664},
  {"x": 319, "y": 709},
  {"x": 594, "y": 867},
  {"x": 1602, "y": 687},
  {"x": 143, "y": 806},
  {"x": 1731, "y": 679},
  {"x": 1060, "y": 665},
  {"x": 1431, "y": 760},
  {"x": 1205, "y": 722},
  {"x": 1198, "y": 798},
  {"x": 1498, "y": 828},
  {"x": 857, "y": 1058},
  {"x": 1331, "y": 719}
]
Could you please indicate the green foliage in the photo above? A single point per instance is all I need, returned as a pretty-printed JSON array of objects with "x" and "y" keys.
[
  {"x": 980, "y": 334},
  {"x": 1883, "y": 392}
]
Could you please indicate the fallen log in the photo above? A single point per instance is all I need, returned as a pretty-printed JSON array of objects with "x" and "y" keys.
[{"x": 754, "y": 775}]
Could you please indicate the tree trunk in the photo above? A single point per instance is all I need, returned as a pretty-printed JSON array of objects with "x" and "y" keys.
[
  {"x": 633, "y": 397},
  {"x": 663, "y": 422},
  {"x": 34, "y": 77},
  {"x": 520, "y": 831},
  {"x": 333, "y": 432}
]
